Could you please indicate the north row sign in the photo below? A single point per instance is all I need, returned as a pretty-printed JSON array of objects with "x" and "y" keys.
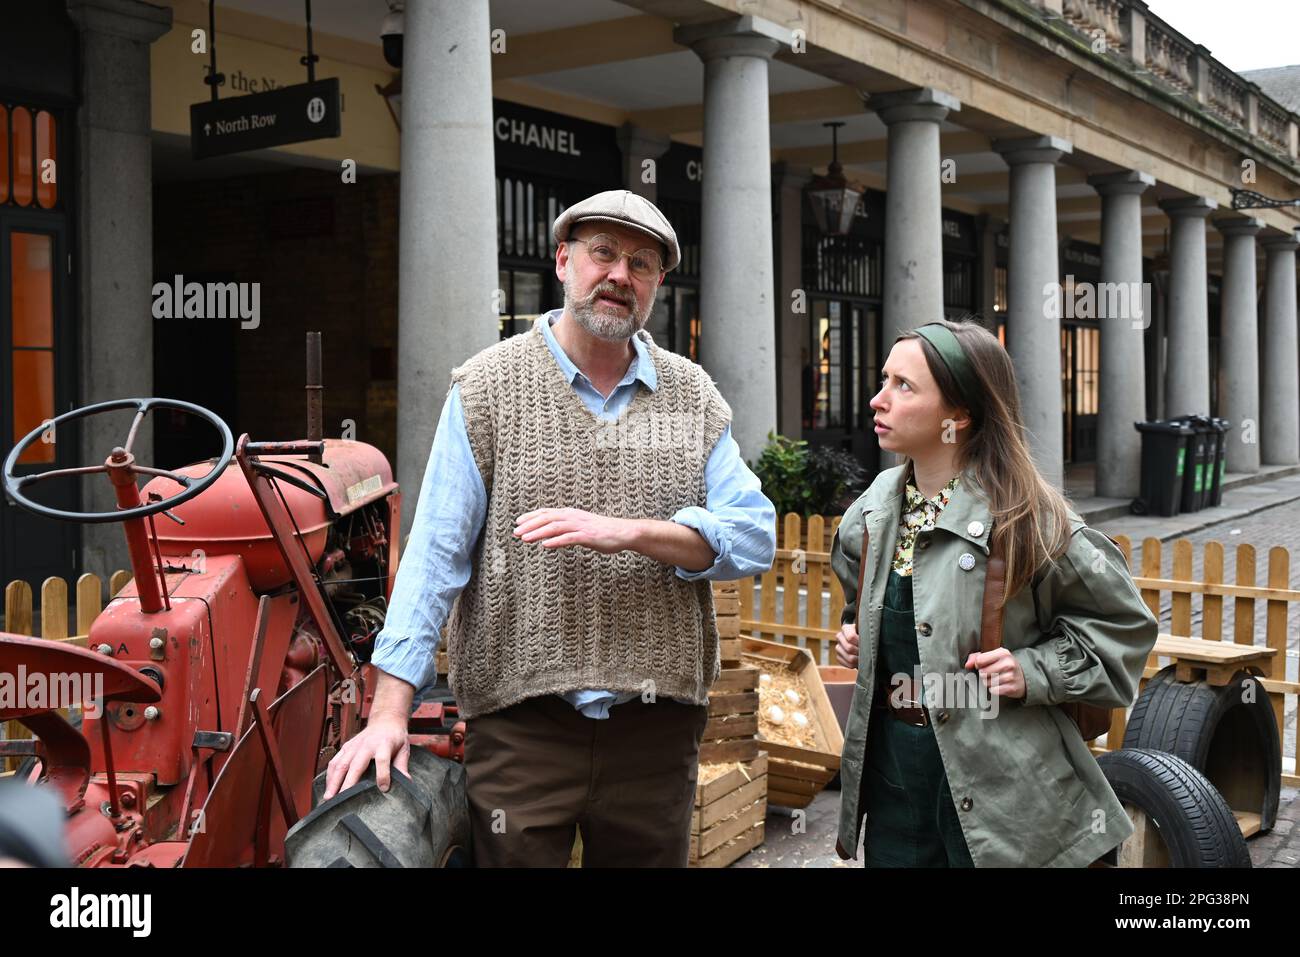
[{"x": 289, "y": 114}]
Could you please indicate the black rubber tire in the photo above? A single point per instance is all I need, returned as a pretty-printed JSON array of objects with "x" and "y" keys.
[
  {"x": 1215, "y": 731},
  {"x": 1195, "y": 823},
  {"x": 423, "y": 820}
]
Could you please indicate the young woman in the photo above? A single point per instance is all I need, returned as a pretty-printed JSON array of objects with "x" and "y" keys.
[{"x": 959, "y": 757}]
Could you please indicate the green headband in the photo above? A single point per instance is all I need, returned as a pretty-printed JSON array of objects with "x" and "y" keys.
[{"x": 953, "y": 356}]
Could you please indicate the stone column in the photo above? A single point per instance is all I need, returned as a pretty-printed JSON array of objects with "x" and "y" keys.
[
  {"x": 1280, "y": 381},
  {"x": 447, "y": 241},
  {"x": 913, "y": 254},
  {"x": 114, "y": 252},
  {"x": 638, "y": 146},
  {"x": 1187, "y": 376},
  {"x": 1239, "y": 343},
  {"x": 793, "y": 334},
  {"x": 737, "y": 319},
  {"x": 1121, "y": 306},
  {"x": 1034, "y": 294}
]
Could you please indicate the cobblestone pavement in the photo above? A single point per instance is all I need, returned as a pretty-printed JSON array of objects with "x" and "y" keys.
[{"x": 807, "y": 839}]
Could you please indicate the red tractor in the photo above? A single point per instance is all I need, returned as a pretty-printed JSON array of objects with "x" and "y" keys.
[{"x": 234, "y": 665}]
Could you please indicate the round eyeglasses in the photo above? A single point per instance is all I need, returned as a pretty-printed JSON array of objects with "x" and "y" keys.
[{"x": 605, "y": 250}]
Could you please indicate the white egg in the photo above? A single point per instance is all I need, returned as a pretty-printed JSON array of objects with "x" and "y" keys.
[
  {"x": 775, "y": 714},
  {"x": 765, "y": 679},
  {"x": 791, "y": 695},
  {"x": 800, "y": 719}
]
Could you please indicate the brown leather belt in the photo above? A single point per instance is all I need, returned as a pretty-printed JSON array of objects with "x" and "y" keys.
[{"x": 910, "y": 709}]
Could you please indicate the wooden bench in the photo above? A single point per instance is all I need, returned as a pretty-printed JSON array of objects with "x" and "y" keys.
[{"x": 1197, "y": 659}]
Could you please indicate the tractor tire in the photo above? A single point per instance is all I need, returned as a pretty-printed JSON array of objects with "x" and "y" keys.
[
  {"x": 1227, "y": 733},
  {"x": 423, "y": 820},
  {"x": 1194, "y": 822}
]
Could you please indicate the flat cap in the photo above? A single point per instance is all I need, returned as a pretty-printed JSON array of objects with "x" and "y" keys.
[{"x": 626, "y": 208}]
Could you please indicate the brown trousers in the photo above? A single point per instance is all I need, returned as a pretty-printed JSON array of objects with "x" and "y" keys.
[{"x": 540, "y": 767}]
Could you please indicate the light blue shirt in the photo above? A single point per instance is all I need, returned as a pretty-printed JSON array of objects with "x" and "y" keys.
[{"x": 738, "y": 521}]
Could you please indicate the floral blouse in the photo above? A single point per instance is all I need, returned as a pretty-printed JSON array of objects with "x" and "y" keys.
[{"x": 919, "y": 514}]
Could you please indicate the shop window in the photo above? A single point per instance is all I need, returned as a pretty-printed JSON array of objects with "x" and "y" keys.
[
  {"x": 28, "y": 152},
  {"x": 526, "y": 294},
  {"x": 1000, "y": 290},
  {"x": 958, "y": 282},
  {"x": 31, "y": 301}
]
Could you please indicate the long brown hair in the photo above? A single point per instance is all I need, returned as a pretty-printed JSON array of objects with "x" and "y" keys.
[{"x": 1030, "y": 521}]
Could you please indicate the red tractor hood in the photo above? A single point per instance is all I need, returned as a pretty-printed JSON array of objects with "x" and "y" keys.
[{"x": 226, "y": 520}]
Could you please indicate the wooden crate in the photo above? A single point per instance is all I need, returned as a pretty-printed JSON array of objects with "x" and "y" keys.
[
  {"x": 726, "y": 607},
  {"x": 797, "y": 775},
  {"x": 730, "y": 815},
  {"x": 732, "y": 728}
]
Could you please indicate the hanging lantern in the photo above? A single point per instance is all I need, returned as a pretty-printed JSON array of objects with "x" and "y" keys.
[{"x": 833, "y": 198}]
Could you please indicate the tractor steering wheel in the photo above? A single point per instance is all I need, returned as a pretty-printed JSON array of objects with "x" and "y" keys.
[{"x": 120, "y": 460}]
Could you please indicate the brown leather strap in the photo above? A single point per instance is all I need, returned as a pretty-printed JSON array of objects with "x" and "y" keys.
[
  {"x": 995, "y": 585},
  {"x": 902, "y": 697}
]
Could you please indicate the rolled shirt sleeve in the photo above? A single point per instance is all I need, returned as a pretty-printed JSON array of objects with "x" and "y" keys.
[
  {"x": 437, "y": 560},
  {"x": 738, "y": 520}
]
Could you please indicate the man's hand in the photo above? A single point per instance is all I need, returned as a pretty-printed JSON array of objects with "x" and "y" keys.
[
  {"x": 383, "y": 740},
  {"x": 1000, "y": 672},
  {"x": 555, "y": 527},
  {"x": 846, "y": 646},
  {"x": 668, "y": 542}
]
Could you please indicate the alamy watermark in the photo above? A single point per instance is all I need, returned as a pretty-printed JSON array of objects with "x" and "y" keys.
[
  {"x": 945, "y": 690},
  {"x": 49, "y": 691},
  {"x": 209, "y": 300},
  {"x": 1129, "y": 301},
  {"x": 652, "y": 431}
]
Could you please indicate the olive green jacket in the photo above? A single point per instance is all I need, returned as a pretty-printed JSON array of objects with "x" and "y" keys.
[{"x": 1028, "y": 792}]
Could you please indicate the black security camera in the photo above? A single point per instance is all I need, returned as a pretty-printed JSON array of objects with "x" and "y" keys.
[{"x": 390, "y": 32}]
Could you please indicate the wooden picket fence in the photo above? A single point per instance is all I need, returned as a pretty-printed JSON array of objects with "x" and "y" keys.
[
  {"x": 797, "y": 572},
  {"x": 55, "y": 616},
  {"x": 800, "y": 599}
]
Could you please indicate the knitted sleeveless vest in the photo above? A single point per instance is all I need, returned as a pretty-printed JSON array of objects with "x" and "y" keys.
[{"x": 535, "y": 620}]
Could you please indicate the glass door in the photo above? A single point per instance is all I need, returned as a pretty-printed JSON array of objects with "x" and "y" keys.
[
  {"x": 36, "y": 366},
  {"x": 1080, "y": 383},
  {"x": 840, "y": 376}
]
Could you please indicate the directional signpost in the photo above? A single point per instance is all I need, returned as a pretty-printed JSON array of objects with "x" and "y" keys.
[{"x": 291, "y": 114}]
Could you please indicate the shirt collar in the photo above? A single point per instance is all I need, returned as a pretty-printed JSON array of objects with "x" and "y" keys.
[
  {"x": 917, "y": 500},
  {"x": 642, "y": 367}
]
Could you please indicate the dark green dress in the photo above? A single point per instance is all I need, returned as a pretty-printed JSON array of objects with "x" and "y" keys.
[{"x": 911, "y": 821}]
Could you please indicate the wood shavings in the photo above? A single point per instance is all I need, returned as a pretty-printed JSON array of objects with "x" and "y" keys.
[
  {"x": 711, "y": 772},
  {"x": 773, "y": 685}
]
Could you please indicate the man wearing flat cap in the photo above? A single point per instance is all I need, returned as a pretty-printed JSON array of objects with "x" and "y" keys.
[{"x": 582, "y": 491}]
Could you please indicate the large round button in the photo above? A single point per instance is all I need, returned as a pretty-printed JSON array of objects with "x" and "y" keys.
[
  {"x": 924, "y": 629},
  {"x": 966, "y": 562},
  {"x": 967, "y": 804}
]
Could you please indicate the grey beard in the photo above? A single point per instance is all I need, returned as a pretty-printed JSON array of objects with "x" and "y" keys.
[{"x": 602, "y": 325}]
